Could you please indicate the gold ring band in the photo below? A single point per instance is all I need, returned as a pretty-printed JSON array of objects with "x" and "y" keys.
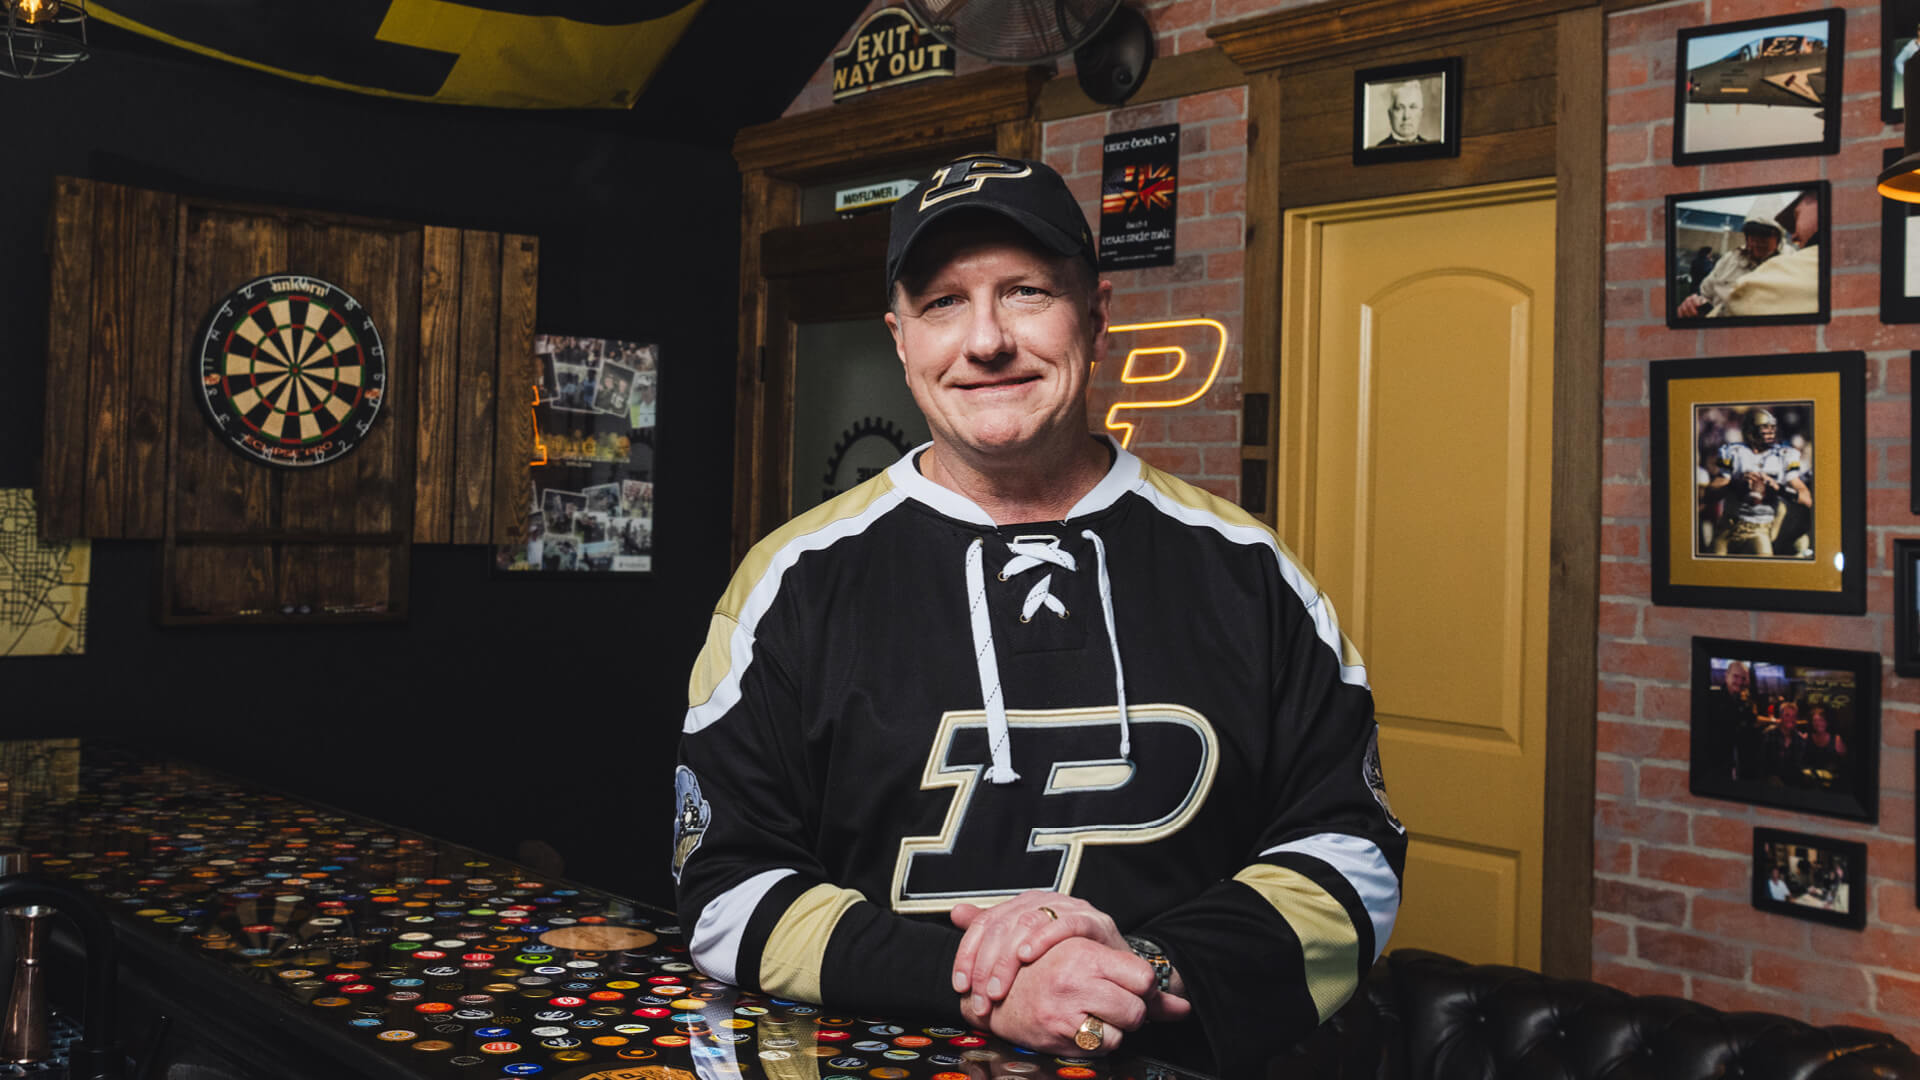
[
  {"x": 1093, "y": 1032},
  {"x": 1051, "y": 914}
]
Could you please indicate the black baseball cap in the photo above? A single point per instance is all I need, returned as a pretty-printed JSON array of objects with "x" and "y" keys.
[{"x": 1029, "y": 193}]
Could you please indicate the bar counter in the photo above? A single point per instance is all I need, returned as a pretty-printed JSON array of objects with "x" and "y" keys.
[{"x": 280, "y": 937}]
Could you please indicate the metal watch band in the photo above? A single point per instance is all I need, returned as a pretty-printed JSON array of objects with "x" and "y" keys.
[{"x": 1150, "y": 951}]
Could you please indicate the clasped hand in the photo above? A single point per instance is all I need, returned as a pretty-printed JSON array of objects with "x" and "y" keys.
[{"x": 1033, "y": 968}]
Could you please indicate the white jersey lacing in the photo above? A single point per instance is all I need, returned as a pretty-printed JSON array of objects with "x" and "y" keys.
[{"x": 1030, "y": 552}]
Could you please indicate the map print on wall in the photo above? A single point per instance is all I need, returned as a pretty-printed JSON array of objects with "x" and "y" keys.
[{"x": 43, "y": 587}]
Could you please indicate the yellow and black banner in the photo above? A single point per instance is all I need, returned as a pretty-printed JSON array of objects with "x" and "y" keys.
[{"x": 516, "y": 54}]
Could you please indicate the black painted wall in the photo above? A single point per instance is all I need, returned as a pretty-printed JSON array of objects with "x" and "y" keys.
[{"x": 503, "y": 710}]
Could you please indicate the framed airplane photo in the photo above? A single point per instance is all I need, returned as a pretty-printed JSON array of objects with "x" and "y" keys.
[{"x": 1761, "y": 88}]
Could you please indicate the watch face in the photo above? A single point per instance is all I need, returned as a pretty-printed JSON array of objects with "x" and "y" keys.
[{"x": 291, "y": 371}]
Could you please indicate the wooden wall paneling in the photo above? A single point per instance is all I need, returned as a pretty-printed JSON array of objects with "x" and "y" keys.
[
  {"x": 1508, "y": 82},
  {"x": 211, "y": 581},
  {"x": 798, "y": 251},
  {"x": 63, "y": 458},
  {"x": 1195, "y": 72},
  {"x": 900, "y": 125},
  {"x": 1308, "y": 32},
  {"x": 215, "y": 490},
  {"x": 402, "y": 421},
  {"x": 1017, "y": 138},
  {"x": 377, "y": 478},
  {"x": 434, "y": 374},
  {"x": 319, "y": 499},
  {"x": 107, "y": 360},
  {"x": 154, "y": 366},
  {"x": 519, "y": 376},
  {"x": 1509, "y": 155},
  {"x": 1260, "y": 341},
  {"x": 473, "y": 388},
  {"x": 1574, "y": 583}
]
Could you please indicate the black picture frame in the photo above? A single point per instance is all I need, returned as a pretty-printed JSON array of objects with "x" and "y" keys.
[
  {"x": 1906, "y": 611},
  {"x": 1372, "y": 91},
  {"x": 1899, "y": 232},
  {"x": 1717, "y": 74},
  {"x": 1757, "y": 710},
  {"x": 1824, "y": 879},
  {"x": 1718, "y": 218},
  {"x": 1820, "y": 402},
  {"x": 1898, "y": 21}
]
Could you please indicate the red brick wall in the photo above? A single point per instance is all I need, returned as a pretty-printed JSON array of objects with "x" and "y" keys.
[
  {"x": 1199, "y": 442},
  {"x": 1672, "y": 912}
]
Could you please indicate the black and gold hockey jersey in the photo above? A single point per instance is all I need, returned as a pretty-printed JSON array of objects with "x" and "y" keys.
[{"x": 901, "y": 706}]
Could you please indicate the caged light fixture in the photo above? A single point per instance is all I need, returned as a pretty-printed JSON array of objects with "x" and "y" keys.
[{"x": 42, "y": 37}]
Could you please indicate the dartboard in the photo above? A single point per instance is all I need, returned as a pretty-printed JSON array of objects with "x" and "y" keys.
[{"x": 292, "y": 372}]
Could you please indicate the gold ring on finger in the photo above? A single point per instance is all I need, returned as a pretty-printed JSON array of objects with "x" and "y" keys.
[
  {"x": 1093, "y": 1032},
  {"x": 1051, "y": 914}
]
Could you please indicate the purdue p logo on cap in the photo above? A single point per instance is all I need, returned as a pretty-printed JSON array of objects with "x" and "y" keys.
[
  {"x": 1039, "y": 202},
  {"x": 974, "y": 172}
]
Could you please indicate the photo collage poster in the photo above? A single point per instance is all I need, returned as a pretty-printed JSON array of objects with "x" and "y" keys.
[{"x": 591, "y": 501}]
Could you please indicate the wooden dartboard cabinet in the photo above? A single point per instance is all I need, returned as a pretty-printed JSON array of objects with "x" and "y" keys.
[{"x": 128, "y": 455}]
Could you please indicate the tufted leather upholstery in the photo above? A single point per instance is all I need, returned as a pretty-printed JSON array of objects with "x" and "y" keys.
[{"x": 1423, "y": 1016}]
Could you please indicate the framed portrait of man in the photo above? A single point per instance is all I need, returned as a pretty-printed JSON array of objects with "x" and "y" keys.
[
  {"x": 1759, "y": 486},
  {"x": 1407, "y": 112}
]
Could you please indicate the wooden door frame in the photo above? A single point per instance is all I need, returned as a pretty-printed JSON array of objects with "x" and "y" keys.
[{"x": 1267, "y": 47}]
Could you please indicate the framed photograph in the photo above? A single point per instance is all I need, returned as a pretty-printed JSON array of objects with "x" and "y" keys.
[
  {"x": 590, "y": 499},
  {"x": 1761, "y": 88},
  {"x": 1810, "y": 877},
  {"x": 1899, "y": 20},
  {"x": 1407, "y": 112},
  {"x": 1749, "y": 256},
  {"x": 1906, "y": 607},
  {"x": 1792, "y": 726},
  {"x": 1759, "y": 487},
  {"x": 1899, "y": 254}
]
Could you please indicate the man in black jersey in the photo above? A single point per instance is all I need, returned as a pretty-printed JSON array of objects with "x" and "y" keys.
[{"x": 1023, "y": 732}]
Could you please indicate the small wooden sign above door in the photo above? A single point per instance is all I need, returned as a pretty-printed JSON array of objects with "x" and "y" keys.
[{"x": 889, "y": 49}]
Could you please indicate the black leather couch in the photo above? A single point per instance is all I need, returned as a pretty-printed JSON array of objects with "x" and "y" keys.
[{"x": 1424, "y": 1016}]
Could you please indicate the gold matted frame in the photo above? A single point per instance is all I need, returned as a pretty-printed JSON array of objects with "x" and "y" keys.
[{"x": 1820, "y": 562}]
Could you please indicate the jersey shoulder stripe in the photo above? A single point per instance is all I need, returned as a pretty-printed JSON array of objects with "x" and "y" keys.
[
  {"x": 715, "y": 685},
  {"x": 1193, "y": 506}
]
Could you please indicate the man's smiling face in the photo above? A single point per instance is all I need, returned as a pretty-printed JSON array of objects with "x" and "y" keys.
[{"x": 998, "y": 336}]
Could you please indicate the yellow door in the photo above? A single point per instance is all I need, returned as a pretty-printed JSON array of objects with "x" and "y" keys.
[{"x": 1417, "y": 365}]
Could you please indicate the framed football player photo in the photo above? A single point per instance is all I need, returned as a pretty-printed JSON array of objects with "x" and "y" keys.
[
  {"x": 1791, "y": 726},
  {"x": 1407, "y": 112},
  {"x": 1759, "y": 491},
  {"x": 1749, "y": 256},
  {"x": 1761, "y": 88}
]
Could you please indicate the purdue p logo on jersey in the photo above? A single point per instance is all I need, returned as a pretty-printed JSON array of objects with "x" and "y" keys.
[{"x": 969, "y": 174}]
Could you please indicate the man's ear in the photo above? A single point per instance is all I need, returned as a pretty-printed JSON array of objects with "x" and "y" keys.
[
  {"x": 899, "y": 345},
  {"x": 1101, "y": 315}
]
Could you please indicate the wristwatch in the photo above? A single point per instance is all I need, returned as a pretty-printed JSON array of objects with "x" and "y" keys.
[{"x": 1149, "y": 950}]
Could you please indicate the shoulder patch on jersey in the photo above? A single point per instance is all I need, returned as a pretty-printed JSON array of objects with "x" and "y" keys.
[
  {"x": 1377, "y": 779},
  {"x": 690, "y": 823}
]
